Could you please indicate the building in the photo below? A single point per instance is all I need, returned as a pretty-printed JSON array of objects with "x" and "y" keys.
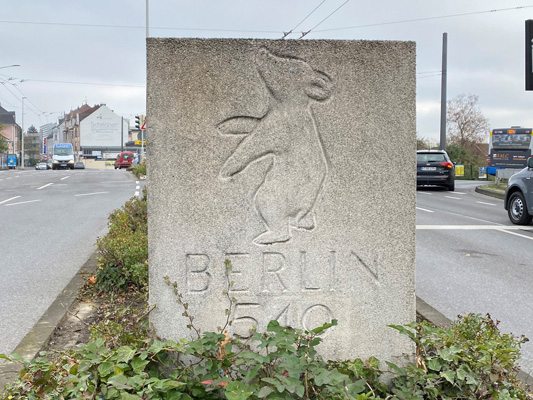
[
  {"x": 93, "y": 130},
  {"x": 10, "y": 130}
]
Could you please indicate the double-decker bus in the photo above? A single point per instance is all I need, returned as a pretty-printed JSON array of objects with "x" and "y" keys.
[{"x": 509, "y": 148}]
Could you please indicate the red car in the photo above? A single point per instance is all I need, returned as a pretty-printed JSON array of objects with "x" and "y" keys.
[{"x": 124, "y": 160}]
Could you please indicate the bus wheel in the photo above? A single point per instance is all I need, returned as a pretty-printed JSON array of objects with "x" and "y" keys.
[{"x": 517, "y": 209}]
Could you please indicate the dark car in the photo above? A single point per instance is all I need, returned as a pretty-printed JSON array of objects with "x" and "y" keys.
[
  {"x": 79, "y": 165},
  {"x": 518, "y": 199},
  {"x": 433, "y": 167}
]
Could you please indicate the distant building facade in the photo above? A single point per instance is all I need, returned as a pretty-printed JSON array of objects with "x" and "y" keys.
[{"x": 10, "y": 130}]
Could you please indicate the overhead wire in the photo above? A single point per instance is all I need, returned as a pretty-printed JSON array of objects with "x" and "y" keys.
[
  {"x": 285, "y": 34},
  {"x": 425, "y": 18},
  {"x": 310, "y": 30},
  {"x": 267, "y": 31}
]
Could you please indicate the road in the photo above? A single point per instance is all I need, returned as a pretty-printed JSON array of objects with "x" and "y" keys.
[
  {"x": 49, "y": 222},
  {"x": 470, "y": 258}
]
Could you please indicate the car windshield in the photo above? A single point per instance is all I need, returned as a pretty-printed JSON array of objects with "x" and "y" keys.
[{"x": 430, "y": 157}]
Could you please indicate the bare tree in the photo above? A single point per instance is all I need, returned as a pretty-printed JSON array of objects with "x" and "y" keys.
[{"x": 466, "y": 124}]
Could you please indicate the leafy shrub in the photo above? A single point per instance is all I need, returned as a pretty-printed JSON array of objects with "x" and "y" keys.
[
  {"x": 140, "y": 169},
  {"x": 123, "y": 260},
  {"x": 471, "y": 360}
]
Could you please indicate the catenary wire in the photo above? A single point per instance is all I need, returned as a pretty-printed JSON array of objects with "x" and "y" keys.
[
  {"x": 285, "y": 34},
  {"x": 310, "y": 30},
  {"x": 425, "y": 18}
]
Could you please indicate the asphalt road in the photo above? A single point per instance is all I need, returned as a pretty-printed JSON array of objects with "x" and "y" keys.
[
  {"x": 470, "y": 258},
  {"x": 49, "y": 222}
]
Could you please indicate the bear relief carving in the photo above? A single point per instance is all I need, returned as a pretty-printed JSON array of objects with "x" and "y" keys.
[{"x": 286, "y": 136}]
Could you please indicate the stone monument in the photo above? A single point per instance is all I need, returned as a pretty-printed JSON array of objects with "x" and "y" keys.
[{"x": 295, "y": 161}]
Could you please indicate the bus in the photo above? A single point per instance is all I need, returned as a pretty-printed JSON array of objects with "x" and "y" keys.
[
  {"x": 62, "y": 156},
  {"x": 509, "y": 148}
]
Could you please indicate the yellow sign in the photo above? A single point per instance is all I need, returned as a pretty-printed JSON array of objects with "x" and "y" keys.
[{"x": 459, "y": 170}]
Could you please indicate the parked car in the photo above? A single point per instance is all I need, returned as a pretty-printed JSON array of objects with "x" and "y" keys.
[
  {"x": 124, "y": 160},
  {"x": 49, "y": 164},
  {"x": 433, "y": 167},
  {"x": 79, "y": 165},
  {"x": 518, "y": 200},
  {"x": 41, "y": 165}
]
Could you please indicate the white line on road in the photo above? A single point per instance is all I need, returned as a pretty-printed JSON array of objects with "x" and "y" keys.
[
  {"x": 488, "y": 204},
  {"x": 429, "y": 194},
  {"x": 451, "y": 197},
  {"x": 517, "y": 234},
  {"x": 12, "y": 198},
  {"x": 65, "y": 177},
  {"x": 22, "y": 202},
  {"x": 42, "y": 187},
  {"x": 474, "y": 227},
  {"x": 90, "y": 194},
  {"x": 459, "y": 193},
  {"x": 423, "y": 209},
  {"x": 137, "y": 187},
  {"x": 136, "y": 194}
]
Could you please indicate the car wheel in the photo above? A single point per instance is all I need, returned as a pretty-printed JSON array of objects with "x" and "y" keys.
[
  {"x": 517, "y": 209},
  {"x": 451, "y": 187}
]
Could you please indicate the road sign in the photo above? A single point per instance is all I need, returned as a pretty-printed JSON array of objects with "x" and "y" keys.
[{"x": 143, "y": 127}]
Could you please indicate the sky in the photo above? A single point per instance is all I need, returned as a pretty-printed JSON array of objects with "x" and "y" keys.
[{"x": 75, "y": 52}]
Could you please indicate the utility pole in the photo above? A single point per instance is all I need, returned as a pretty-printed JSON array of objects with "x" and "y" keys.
[
  {"x": 121, "y": 134},
  {"x": 22, "y": 151},
  {"x": 147, "y": 20},
  {"x": 443, "y": 95}
]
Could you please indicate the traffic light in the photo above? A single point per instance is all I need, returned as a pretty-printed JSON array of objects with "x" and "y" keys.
[{"x": 138, "y": 122}]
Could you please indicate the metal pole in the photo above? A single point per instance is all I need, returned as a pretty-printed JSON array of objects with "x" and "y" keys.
[
  {"x": 147, "y": 20},
  {"x": 443, "y": 96},
  {"x": 22, "y": 123},
  {"x": 121, "y": 134}
]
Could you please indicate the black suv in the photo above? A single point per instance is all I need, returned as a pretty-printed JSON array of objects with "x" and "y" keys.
[
  {"x": 518, "y": 199},
  {"x": 433, "y": 167}
]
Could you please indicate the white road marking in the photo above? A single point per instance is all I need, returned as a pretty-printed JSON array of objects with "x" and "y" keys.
[
  {"x": 42, "y": 187},
  {"x": 22, "y": 202},
  {"x": 137, "y": 194},
  {"x": 12, "y": 198},
  {"x": 451, "y": 197},
  {"x": 65, "y": 177},
  {"x": 90, "y": 194},
  {"x": 488, "y": 204},
  {"x": 517, "y": 234},
  {"x": 474, "y": 227},
  {"x": 458, "y": 192},
  {"x": 137, "y": 187},
  {"x": 423, "y": 209},
  {"x": 429, "y": 194}
]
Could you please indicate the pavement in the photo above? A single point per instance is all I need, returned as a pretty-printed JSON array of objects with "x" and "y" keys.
[{"x": 41, "y": 333}]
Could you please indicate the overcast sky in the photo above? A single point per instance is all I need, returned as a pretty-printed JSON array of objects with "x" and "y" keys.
[{"x": 75, "y": 52}]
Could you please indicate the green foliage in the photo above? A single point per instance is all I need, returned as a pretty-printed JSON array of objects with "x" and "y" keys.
[
  {"x": 123, "y": 260},
  {"x": 471, "y": 360},
  {"x": 140, "y": 169}
]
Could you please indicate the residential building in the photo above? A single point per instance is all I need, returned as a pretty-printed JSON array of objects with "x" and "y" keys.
[{"x": 10, "y": 130}]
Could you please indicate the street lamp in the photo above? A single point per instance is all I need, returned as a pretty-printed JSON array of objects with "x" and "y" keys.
[{"x": 22, "y": 155}]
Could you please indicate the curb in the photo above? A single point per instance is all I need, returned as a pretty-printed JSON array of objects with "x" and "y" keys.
[
  {"x": 39, "y": 336},
  {"x": 489, "y": 192}
]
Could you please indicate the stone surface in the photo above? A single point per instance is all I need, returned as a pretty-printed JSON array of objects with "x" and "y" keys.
[{"x": 295, "y": 160}]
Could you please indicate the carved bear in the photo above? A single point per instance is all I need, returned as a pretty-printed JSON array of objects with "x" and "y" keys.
[{"x": 287, "y": 136}]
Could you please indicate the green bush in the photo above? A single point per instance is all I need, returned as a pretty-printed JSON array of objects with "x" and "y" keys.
[
  {"x": 123, "y": 252},
  {"x": 471, "y": 360},
  {"x": 140, "y": 169}
]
